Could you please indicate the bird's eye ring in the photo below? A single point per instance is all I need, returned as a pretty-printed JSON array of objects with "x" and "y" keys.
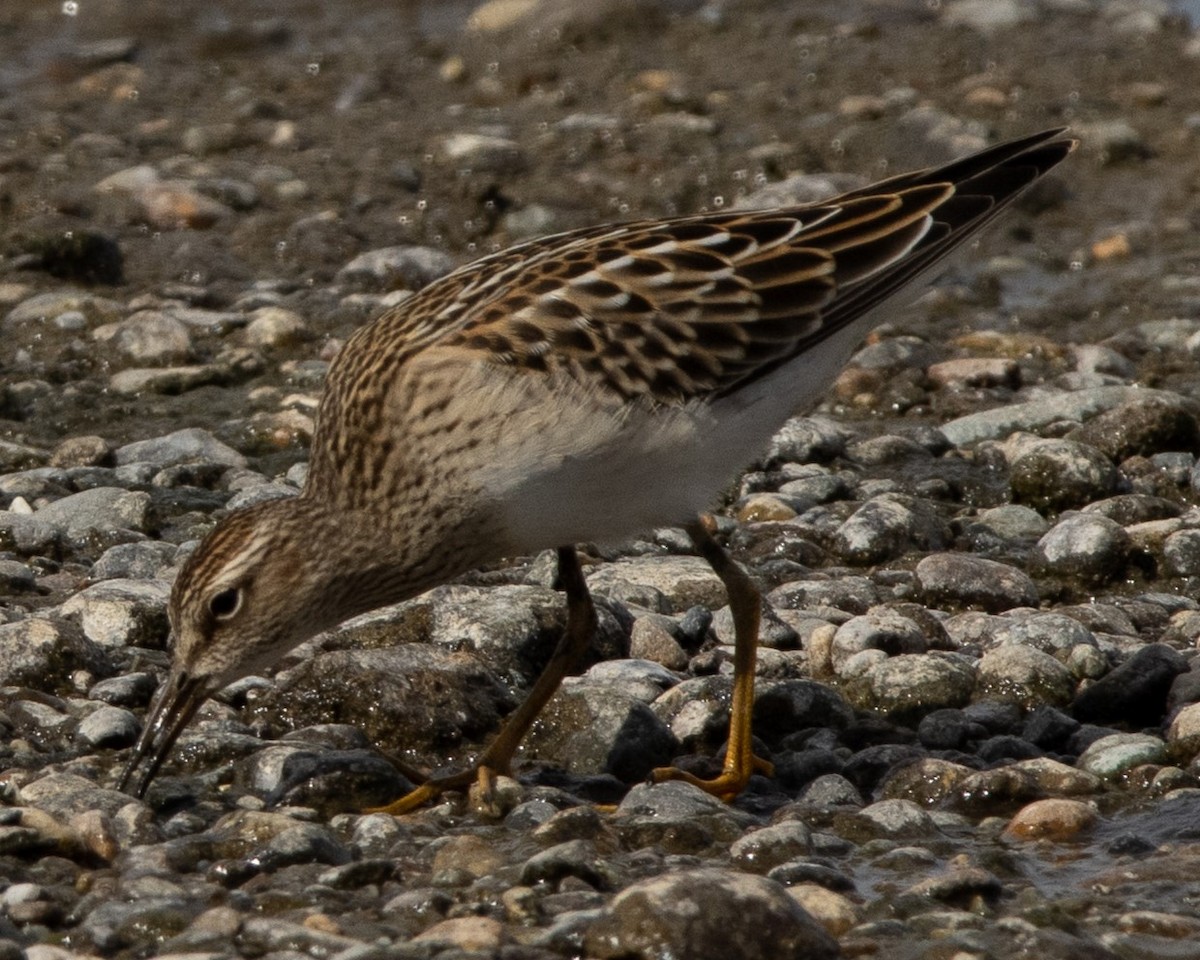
[{"x": 225, "y": 604}]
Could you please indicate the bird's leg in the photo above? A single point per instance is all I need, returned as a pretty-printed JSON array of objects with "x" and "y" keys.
[
  {"x": 745, "y": 603},
  {"x": 497, "y": 758}
]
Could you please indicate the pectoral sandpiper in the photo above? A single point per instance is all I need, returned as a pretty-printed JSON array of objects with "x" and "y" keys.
[{"x": 582, "y": 387}]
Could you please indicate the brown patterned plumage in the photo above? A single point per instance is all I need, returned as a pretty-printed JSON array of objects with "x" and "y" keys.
[{"x": 578, "y": 387}]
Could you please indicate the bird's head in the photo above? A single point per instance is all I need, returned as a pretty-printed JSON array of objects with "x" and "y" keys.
[{"x": 263, "y": 580}]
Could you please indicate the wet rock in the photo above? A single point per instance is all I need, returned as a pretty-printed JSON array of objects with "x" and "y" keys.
[
  {"x": 1140, "y": 427},
  {"x": 762, "y": 850},
  {"x": 101, "y": 509},
  {"x": 881, "y": 630},
  {"x": 1054, "y": 819},
  {"x": 481, "y": 153},
  {"x": 572, "y": 858},
  {"x": 1181, "y": 553},
  {"x": 707, "y": 913},
  {"x": 1023, "y": 676},
  {"x": 389, "y": 694},
  {"x": 192, "y": 445},
  {"x": 45, "y": 653},
  {"x": 1089, "y": 547},
  {"x": 150, "y": 338},
  {"x": 593, "y": 729},
  {"x": 1061, "y": 474},
  {"x": 108, "y": 728},
  {"x": 389, "y": 268},
  {"x": 1110, "y": 757},
  {"x": 144, "y": 560},
  {"x": 329, "y": 780},
  {"x": 806, "y": 440},
  {"x": 786, "y": 706},
  {"x": 967, "y": 580},
  {"x": 908, "y": 686},
  {"x": 1133, "y": 693},
  {"x": 900, "y": 818},
  {"x": 62, "y": 795},
  {"x": 885, "y": 527},
  {"x": 679, "y": 817},
  {"x": 117, "y": 613}
]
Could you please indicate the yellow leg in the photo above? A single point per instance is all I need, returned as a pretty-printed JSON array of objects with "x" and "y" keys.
[
  {"x": 745, "y": 603},
  {"x": 497, "y": 758}
]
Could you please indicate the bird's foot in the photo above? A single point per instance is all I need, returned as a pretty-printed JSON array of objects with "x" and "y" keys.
[
  {"x": 727, "y": 786},
  {"x": 480, "y": 779}
]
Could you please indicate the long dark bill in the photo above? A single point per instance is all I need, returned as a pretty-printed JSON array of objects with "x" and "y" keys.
[{"x": 175, "y": 704}]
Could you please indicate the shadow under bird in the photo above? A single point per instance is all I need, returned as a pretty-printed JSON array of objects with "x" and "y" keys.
[{"x": 581, "y": 387}]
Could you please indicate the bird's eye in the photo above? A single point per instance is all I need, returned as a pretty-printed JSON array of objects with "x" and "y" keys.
[{"x": 225, "y": 604}]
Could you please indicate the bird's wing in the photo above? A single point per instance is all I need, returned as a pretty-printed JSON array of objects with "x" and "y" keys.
[{"x": 691, "y": 308}]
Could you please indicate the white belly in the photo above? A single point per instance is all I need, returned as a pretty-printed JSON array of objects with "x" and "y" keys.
[{"x": 567, "y": 469}]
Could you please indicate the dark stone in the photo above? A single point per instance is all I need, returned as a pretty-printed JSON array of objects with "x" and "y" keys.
[{"x": 1135, "y": 693}]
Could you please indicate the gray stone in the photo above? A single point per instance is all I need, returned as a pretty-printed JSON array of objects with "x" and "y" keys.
[
  {"x": 900, "y": 818},
  {"x": 100, "y": 509},
  {"x": 1061, "y": 474},
  {"x": 1111, "y": 756},
  {"x": 192, "y": 445},
  {"x": 761, "y": 850},
  {"x": 707, "y": 914},
  {"x": 169, "y": 381},
  {"x": 119, "y": 613},
  {"x": 965, "y": 580},
  {"x": 807, "y": 439},
  {"x": 886, "y": 527},
  {"x": 407, "y": 266},
  {"x": 879, "y": 629},
  {"x": 62, "y": 795},
  {"x": 413, "y": 699},
  {"x": 108, "y": 728},
  {"x": 150, "y": 338},
  {"x": 1023, "y": 676},
  {"x": 1181, "y": 553},
  {"x": 1033, "y": 415},
  {"x": 591, "y": 729},
  {"x": 143, "y": 560},
  {"x": 907, "y": 687},
  {"x": 43, "y": 654},
  {"x": 1085, "y": 546}
]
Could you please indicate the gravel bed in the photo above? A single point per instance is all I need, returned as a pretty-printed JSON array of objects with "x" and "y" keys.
[{"x": 978, "y": 678}]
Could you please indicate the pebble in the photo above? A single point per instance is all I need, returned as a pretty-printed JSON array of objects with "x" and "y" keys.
[
  {"x": 1112, "y": 756},
  {"x": 707, "y": 913},
  {"x": 120, "y": 613},
  {"x": 1056, "y": 819},
  {"x": 994, "y": 668},
  {"x": 1135, "y": 692},
  {"x": 1024, "y": 676},
  {"x": 1088, "y": 547},
  {"x": 967, "y": 580}
]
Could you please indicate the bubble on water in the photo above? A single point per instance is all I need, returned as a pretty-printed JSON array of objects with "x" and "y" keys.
[
  {"x": 422, "y": 204},
  {"x": 313, "y": 69},
  {"x": 718, "y": 201},
  {"x": 1076, "y": 265},
  {"x": 70, "y": 8}
]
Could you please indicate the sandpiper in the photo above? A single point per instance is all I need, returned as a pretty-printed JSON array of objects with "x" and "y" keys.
[{"x": 578, "y": 388}]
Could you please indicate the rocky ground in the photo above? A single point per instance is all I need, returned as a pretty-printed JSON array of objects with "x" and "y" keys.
[{"x": 978, "y": 678}]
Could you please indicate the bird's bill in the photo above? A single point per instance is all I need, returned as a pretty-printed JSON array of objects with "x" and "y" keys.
[{"x": 175, "y": 704}]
